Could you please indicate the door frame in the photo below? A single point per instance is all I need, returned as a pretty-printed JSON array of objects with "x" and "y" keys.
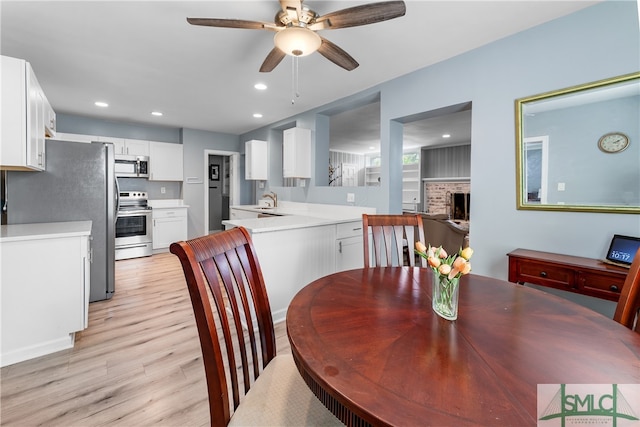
[
  {"x": 538, "y": 143},
  {"x": 234, "y": 180}
]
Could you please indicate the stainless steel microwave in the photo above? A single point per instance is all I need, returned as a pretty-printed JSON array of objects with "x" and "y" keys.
[{"x": 132, "y": 166}]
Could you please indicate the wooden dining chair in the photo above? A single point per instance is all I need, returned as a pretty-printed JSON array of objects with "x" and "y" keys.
[
  {"x": 629, "y": 303},
  {"x": 235, "y": 327},
  {"x": 393, "y": 240}
]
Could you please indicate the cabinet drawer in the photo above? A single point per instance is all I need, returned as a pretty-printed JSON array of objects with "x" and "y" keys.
[
  {"x": 349, "y": 229},
  {"x": 545, "y": 275},
  {"x": 169, "y": 213},
  {"x": 600, "y": 285}
]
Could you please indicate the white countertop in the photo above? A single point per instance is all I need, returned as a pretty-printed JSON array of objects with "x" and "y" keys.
[
  {"x": 298, "y": 215},
  {"x": 167, "y": 203},
  {"x": 44, "y": 230}
]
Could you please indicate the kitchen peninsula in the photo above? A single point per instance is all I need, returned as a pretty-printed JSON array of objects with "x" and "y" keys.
[{"x": 297, "y": 243}]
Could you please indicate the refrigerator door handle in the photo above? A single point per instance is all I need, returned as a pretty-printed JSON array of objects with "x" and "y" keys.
[{"x": 117, "y": 207}]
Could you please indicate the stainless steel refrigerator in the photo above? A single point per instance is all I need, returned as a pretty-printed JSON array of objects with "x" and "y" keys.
[{"x": 79, "y": 184}]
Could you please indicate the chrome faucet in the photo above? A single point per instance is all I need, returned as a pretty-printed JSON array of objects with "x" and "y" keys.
[{"x": 273, "y": 196}]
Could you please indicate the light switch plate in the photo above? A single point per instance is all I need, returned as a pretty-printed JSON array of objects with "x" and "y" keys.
[{"x": 351, "y": 197}]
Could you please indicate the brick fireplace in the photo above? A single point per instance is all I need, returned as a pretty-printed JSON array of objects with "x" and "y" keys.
[{"x": 448, "y": 197}]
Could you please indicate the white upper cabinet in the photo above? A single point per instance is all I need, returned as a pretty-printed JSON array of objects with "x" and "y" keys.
[
  {"x": 75, "y": 137},
  {"x": 50, "y": 122},
  {"x": 131, "y": 147},
  {"x": 137, "y": 147},
  {"x": 165, "y": 161},
  {"x": 255, "y": 160},
  {"x": 118, "y": 143},
  {"x": 26, "y": 114},
  {"x": 296, "y": 153}
]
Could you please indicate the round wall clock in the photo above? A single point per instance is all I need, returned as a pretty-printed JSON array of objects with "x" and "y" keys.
[{"x": 613, "y": 142}]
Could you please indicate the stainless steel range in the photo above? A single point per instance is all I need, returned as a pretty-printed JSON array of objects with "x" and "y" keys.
[{"x": 133, "y": 226}]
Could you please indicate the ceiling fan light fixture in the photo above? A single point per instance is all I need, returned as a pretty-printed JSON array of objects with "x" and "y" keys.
[{"x": 297, "y": 41}]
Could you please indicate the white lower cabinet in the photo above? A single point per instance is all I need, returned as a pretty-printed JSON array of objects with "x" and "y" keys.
[
  {"x": 349, "y": 246},
  {"x": 169, "y": 225},
  {"x": 241, "y": 214},
  {"x": 44, "y": 289},
  {"x": 291, "y": 259}
]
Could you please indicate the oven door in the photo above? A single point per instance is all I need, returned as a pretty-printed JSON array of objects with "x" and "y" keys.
[{"x": 133, "y": 233}]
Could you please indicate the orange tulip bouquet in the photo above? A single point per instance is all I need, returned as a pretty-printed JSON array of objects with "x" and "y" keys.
[{"x": 447, "y": 270}]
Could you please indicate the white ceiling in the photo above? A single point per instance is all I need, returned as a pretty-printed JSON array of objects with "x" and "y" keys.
[{"x": 141, "y": 56}]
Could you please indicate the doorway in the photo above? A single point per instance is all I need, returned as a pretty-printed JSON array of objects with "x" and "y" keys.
[
  {"x": 220, "y": 187},
  {"x": 436, "y": 159}
]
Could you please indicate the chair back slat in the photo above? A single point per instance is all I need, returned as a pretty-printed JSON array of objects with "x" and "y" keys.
[
  {"x": 628, "y": 307},
  {"x": 240, "y": 265},
  {"x": 230, "y": 303},
  {"x": 227, "y": 264},
  {"x": 392, "y": 239}
]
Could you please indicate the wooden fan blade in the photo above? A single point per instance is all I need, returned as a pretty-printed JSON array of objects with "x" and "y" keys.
[
  {"x": 231, "y": 23},
  {"x": 360, "y": 15},
  {"x": 272, "y": 60},
  {"x": 336, "y": 55}
]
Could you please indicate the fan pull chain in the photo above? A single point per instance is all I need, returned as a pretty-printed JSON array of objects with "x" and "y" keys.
[{"x": 294, "y": 89}]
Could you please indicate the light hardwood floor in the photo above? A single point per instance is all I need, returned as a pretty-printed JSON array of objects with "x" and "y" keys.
[{"x": 137, "y": 364}]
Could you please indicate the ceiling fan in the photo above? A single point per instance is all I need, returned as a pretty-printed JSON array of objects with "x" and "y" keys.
[{"x": 296, "y": 25}]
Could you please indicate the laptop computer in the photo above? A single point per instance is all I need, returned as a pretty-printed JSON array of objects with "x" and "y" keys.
[{"x": 622, "y": 250}]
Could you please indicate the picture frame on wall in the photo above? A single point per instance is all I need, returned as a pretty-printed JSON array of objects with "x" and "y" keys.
[{"x": 214, "y": 172}]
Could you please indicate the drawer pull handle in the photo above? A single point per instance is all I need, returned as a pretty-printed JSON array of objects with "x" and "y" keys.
[
  {"x": 614, "y": 288},
  {"x": 543, "y": 274}
]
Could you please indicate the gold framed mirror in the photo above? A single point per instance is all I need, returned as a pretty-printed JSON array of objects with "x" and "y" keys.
[{"x": 578, "y": 148}]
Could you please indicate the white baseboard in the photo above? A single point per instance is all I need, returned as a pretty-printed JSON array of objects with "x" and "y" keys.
[{"x": 37, "y": 350}]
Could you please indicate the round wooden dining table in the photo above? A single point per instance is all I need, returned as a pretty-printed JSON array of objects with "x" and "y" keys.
[{"x": 370, "y": 347}]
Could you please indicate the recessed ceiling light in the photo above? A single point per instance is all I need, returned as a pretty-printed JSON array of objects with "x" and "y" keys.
[
  {"x": 260, "y": 86},
  {"x": 101, "y": 104},
  {"x": 446, "y": 135},
  {"x": 156, "y": 113},
  {"x": 372, "y": 148},
  {"x": 257, "y": 115}
]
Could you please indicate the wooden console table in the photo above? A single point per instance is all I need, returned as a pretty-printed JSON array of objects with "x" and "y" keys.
[{"x": 584, "y": 276}]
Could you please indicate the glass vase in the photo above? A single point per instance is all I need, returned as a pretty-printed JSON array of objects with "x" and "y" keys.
[{"x": 445, "y": 296}]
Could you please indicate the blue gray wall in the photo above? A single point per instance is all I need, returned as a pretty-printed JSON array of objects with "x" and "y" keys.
[
  {"x": 579, "y": 48},
  {"x": 572, "y": 50},
  {"x": 574, "y": 158}
]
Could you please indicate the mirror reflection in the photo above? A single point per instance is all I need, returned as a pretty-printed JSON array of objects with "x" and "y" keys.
[{"x": 578, "y": 148}]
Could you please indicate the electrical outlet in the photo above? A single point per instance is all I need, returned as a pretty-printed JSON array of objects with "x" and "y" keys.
[
  {"x": 163, "y": 190},
  {"x": 561, "y": 186},
  {"x": 261, "y": 184},
  {"x": 351, "y": 197}
]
